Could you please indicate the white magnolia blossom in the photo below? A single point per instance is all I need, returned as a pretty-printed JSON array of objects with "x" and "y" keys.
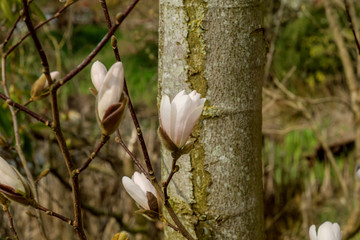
[
  {"x": 9, "y": 177},
  {"x": 326, "y": 231},
  {"x": 179, "y": 117},
  {"x": 137, "y": 187},
  {"x": 98, "y": 73},
  {"x": 109, "y": 85}
]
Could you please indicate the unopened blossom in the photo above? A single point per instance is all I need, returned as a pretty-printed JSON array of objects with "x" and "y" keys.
[
  {"x": 178, "y": 118},
  {"x": 41, "y": 86},
  {"x": 98, "y": 73},
  {"x": 326, "y": 231},
  {"x": 141, "y": 190},
  {"x": 110, "y": 101},
  {"x": 13, "y": 185}
]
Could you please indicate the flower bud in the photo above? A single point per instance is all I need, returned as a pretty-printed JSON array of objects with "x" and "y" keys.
[
  {"x": 98, "y": 73},
  {"x": 13, "y": 185},
  {"x": 144, "y": 193},
  {"x": 121, "y": 236},
  {"x": 40, "y": 88},
  {"x": 178, "y": 118},
  {"x": 110, "y": 102},
  {"x": 327, "y": 231}
]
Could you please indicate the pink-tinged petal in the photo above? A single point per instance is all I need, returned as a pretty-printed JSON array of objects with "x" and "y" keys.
[
  {"x": 143, "y": 183},
  {"x": 189, "y": 124},
  {"x": 325, "y": 232},
  {"x": 98, "y": 73},
  {"x": 182, "y": 107},
  {"x": 165, "y": 114},
  {"x": 312, "y": 233},
  {"x": 111, "y": 89},
  {"x": 135, "y": 192},
  {"x": 180, "y": 94},
  {"x": 194, "y": 97}
]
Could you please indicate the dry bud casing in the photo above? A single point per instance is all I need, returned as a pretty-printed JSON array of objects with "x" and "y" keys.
[
  {"x": 13, "y": 185},
  {"x": 40, "y": 87},
  {"x": 121, "y": 236}
]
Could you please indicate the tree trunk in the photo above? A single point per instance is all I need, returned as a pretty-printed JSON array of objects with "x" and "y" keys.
[{"x": 217, "y": 48}]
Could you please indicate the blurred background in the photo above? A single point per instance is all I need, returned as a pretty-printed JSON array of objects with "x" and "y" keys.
[{"x": 308, "y": 127}]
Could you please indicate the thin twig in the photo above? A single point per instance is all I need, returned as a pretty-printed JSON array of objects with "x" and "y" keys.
[
  {"x": 352, "y": 25},
  {"x": 130, "y": 105},
  {"x": 25, "y": 110},
  {"x": 170, "y": 225},
  {"x": 137, "y": 163},
  {"x": 56, "y": 126},
  {"x": 97, "y": 49},
  {"x": 57, "y": 14},
  {"x": 55, "y": 214},
  {"x": 172, "y": 172},
  {"x": 11, "y": 31},
  {"x": 175, "y": 218},
  {"x": 11, "y": 223},
  {"x": 15, "y": 122},
  {"x": 104, "y": 139}
]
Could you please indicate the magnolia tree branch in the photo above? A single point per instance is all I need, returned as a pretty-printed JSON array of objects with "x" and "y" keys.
[
  {"x": 26, "y": 110},
  {"x": 352, "y": 26},
  {"x": 103, "y": 141},
  {"x": 56, "y": 15},
  {"x": 119, "y": 19},
  {"x": 55, "y": 214},
  {"x": 130, "y": 105},
  {"x": 56, "y": 125},
  {"x": 119, "y": 140},
  {"x": 11, "y": 223}
]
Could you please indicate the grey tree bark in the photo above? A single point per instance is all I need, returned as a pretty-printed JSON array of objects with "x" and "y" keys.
[{"x": 217, "y": 48}]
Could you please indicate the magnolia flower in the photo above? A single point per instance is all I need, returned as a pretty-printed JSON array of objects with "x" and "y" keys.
[
  {"x": 327, "y": 231},
  {"x": 142, "y": 191},
  {"x": 13, "y": 185},
  {"x": 178, "y": 118},
  {"x": 110, "y": 102},
  {"x": 358, "y": 172},
  {"x": 41, "y": 86}
]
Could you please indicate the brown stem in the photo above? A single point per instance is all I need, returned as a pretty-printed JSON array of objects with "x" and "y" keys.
[
  {"x": 97, "y": 49},
  {"x": 57, "y": 14},
  {"x": 137, "y": 163},
  {"x": 182, "y": 229},
  {"x": 11, "y": 32},
  {"x": 26, "y": 110},
  {"x": 56, "y": 126},
  {"x": 172, "y": 172},
  {"x": 130, "y": 105},
  {"x": 104, "y": 139},
  {"x": 11, "y": 222},
  {"x": 170, "y": 225},
  {"x": 55, "y": 214},
  {"x": 352, "y": 25}
]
